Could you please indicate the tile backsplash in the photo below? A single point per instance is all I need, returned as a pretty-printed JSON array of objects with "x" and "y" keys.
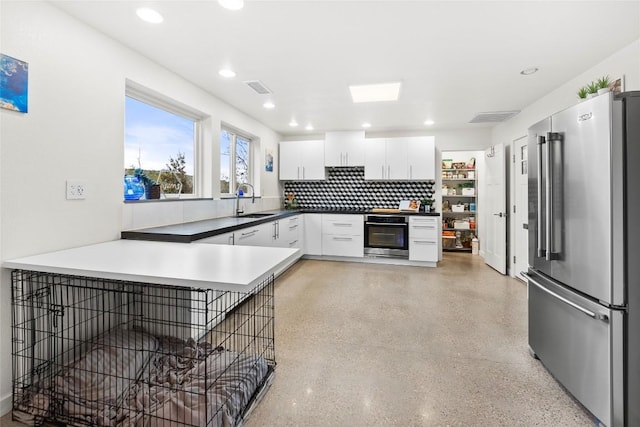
[{"x": 345, "y": 188}]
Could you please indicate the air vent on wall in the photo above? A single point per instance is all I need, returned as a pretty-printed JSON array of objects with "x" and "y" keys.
[
  {"x": 258, "y": 86},
  {"x": 493, "y": 116}
]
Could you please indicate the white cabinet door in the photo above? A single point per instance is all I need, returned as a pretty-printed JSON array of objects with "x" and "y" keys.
[
  {"x": 312, "y": 160},
  {"x": 396, "y": 155},
  {"x": 312, "y": 233},
  {"x": 220, "y": 239},
  {"x": 289, "y": 160},
  {"x": 344, "y": 148},
  {"x": 302, "y": 160},
  {"x": 421, "y": 158},
  {"x": 375, "y": 162},
  {"x": 424, "y": 235},
  {"x": 343, "y": 235}
]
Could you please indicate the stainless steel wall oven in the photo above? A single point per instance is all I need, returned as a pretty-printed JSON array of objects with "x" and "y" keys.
[{"x": 386, "y": 236}]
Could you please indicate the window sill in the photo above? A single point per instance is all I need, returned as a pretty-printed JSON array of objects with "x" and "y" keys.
[{"x": 168, "y": 199}]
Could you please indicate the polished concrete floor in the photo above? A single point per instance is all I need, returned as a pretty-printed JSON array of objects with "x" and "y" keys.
[{"x": 377, "y": 345}]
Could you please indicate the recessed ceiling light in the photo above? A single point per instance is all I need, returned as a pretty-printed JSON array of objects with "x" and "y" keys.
[
  {"x": 366, "y": 125},
  {"x": 149, "y": 15},
  {"x": 232, "y": 4},
  {"x": 225, "y": 72},
  {"x": 293, "y": 123},
  {"x": 529, "y": 71},
  {"x": 309, "y": 127},
  {"x": 429, "y": 122},
  {"x": 269, "y": 105},
  {"x": 375, "y": 92}
]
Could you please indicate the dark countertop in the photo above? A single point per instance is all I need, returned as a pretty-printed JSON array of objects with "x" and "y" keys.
[{"x": 192, "y": 231}]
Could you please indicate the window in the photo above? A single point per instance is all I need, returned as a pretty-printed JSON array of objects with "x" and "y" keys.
[
  {"x": 160, "y": 143},
  {"x": 235, "y": 161}
]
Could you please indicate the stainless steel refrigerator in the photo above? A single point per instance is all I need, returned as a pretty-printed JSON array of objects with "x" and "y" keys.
[{"x": 584, "y": 253}]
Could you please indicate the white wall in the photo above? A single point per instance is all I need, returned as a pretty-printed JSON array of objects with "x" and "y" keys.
[
  {"x": 625, "y": 62},
  {"x": 74, "y": 130}
]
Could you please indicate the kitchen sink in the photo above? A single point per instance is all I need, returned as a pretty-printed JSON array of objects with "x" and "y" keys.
[{"x": 256, "y": 215}]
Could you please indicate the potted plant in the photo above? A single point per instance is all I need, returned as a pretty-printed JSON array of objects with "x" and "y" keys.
[
  {"x": 582, "y": 93},
  {"x": 603, "y": 84},
  {"x": 427, "y": 203},
  {"x": 151, "y": 187},
  {"x": 592, "y": 89}
]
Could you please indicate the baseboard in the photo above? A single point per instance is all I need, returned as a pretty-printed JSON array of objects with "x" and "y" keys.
[{"x": 5, "y": 404}]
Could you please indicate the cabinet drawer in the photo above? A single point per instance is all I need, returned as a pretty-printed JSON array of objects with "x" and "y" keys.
[
  {"x": 220, "y": 239},
  {"x": 352, "y": 225},
  {"x": 423, "y": 227},
  {"x": 423, "y": 249},
  {"x": 343, "y": 245}
]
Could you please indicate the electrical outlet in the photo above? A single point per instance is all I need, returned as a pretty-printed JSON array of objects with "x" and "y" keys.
[{"x": 76, "y": 190}]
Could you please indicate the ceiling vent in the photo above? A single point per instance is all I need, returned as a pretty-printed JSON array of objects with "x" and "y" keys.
[
  {"x": 493, "y": 116},
  {"x": 258, "y": 86}
]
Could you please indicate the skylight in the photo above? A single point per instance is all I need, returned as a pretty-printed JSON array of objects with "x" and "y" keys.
[{"x": 375, "y": 92}]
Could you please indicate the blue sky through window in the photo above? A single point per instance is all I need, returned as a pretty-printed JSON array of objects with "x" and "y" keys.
[{"x": 154, "y": 135}]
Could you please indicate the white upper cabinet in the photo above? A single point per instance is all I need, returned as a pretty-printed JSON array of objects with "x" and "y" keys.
[
  {"x": 302, "y": 160},
  {"x": 396, "y": 159},
  {"x": 421, "y": 153},
  {"x": 344, "y": 148},
  {"x": 375, "y": 158}
]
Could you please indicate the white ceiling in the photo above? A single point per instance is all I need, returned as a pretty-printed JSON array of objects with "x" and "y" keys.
[{"x": 454, "y": 58}]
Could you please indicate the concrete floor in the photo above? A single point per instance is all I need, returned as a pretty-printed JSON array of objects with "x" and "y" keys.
[{"x": 377, "y": 345}]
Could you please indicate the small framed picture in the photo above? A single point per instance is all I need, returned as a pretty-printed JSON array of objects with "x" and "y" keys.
[{"x": 617, "y": 86}]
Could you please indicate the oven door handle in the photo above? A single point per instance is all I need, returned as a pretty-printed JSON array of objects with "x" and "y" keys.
[{"x": 393, "y": 224}]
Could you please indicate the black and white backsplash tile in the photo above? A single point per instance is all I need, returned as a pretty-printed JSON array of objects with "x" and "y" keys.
[{"x": 345, "y": 188}]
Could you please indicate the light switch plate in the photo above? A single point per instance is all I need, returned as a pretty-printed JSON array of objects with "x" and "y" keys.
[{"x": 76, "y": 189}]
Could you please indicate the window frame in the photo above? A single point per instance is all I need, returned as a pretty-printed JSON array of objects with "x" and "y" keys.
[
  {"x": 235, "y": 133},
  {"x": 157, "y": 100}
]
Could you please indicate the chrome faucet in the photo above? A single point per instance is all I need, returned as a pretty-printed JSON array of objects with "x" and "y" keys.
[{"x": 253, "y": 197}]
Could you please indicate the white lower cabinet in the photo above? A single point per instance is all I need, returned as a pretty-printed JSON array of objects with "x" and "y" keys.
[
  {"x": 424, "y": 239},
  {"x": 287, "y": 232},
  {"x": 343, "y": 235},
  {"x": 220, "y": 239},
  {"x": 312, "y": 232},
  {"x": 257, "y": 235}
]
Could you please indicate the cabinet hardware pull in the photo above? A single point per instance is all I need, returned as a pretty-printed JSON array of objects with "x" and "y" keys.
[{"x": 424, "y": 242}]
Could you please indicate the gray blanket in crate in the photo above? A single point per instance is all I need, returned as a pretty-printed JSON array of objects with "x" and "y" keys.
[{"x": 130, "y": 378}]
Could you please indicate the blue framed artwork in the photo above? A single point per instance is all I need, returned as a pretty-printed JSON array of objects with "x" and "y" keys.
[
  {"x": 14, "y": 84},
  {"x": 268, "y": 160}
]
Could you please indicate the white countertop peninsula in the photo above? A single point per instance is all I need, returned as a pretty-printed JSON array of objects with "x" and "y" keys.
[{"x": 201, "y": 266}]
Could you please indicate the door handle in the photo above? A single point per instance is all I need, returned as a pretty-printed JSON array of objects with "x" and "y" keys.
[
  {"x": 540, "y": 234},
  {"x": 551, "y": 254},
  {"x": 501, "y": 214},
  {"x": 525, "y": 226},
  {"x": 596, "y": 316}
]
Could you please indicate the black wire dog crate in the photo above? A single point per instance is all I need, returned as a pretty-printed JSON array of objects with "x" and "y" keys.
[{"x": 90, "y": 351}]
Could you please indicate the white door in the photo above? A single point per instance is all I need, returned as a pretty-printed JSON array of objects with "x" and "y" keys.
[
  {"x": 520, "y": 213},
  {"x": 495, "y": 253}
]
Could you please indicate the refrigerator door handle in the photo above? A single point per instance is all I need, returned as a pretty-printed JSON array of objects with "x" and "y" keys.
[
  {"x": 596, "y": 316},
  {"x": 549, "y": 199},
  {"x": 551, "y": 137},
  {"x": 540, "y": 234}
]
